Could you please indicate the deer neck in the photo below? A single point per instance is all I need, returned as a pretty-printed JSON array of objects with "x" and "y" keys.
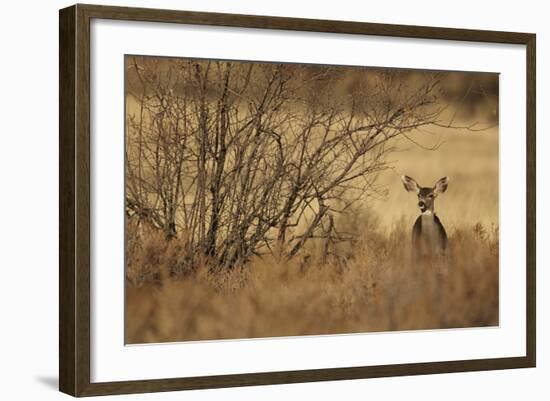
[
  {"x": 429, "y": 226},
  {"x": 428, "y": 213}
]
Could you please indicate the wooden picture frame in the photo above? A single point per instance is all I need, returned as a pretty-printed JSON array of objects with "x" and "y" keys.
[{"x": 74, "y": 200}]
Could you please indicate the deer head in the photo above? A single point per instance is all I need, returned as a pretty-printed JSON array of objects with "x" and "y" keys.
[{"x": 426, "y": 195}]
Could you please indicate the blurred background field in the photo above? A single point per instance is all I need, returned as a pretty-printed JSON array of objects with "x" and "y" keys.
[{"x": 471, "y": 162}]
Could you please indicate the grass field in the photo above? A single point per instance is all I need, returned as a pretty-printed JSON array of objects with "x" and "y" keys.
[
  {"x": 377, "y": 289},
  {"x": 373, "y": 287}
]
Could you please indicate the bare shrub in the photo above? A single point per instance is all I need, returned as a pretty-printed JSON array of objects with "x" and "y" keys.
[{"x": 249, "y": 159}]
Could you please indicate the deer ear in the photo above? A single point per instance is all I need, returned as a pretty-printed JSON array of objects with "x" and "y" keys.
[
  {"x": 441, "y": 185},
  {"x": 410, "y": 184}
]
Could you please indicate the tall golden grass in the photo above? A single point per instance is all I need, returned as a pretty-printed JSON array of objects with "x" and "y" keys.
[{"x": 374, "y": 287}]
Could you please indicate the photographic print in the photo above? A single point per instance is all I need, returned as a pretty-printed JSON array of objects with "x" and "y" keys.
[{"x": 281, "y": 199}]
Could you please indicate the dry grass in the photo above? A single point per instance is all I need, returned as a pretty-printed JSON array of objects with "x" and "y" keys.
[{"x": 374, "y": 288}]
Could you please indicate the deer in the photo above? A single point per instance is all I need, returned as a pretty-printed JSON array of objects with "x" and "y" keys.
[{"x": 429, "y": 238}]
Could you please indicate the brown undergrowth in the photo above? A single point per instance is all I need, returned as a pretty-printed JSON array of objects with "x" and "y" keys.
[{"x": 371, "y": 286}]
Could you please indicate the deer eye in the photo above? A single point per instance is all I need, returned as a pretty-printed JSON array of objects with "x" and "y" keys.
[{"x": 431, "y": 196}]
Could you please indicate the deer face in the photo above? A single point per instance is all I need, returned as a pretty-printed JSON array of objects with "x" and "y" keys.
[{"x": 426, "y": 195}]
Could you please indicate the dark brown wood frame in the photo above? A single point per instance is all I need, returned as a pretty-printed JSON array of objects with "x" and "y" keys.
[{"x": 74, "y": 199}]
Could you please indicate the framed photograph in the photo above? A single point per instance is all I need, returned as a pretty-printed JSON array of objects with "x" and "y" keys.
[{"x": 250, "y": 200}]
